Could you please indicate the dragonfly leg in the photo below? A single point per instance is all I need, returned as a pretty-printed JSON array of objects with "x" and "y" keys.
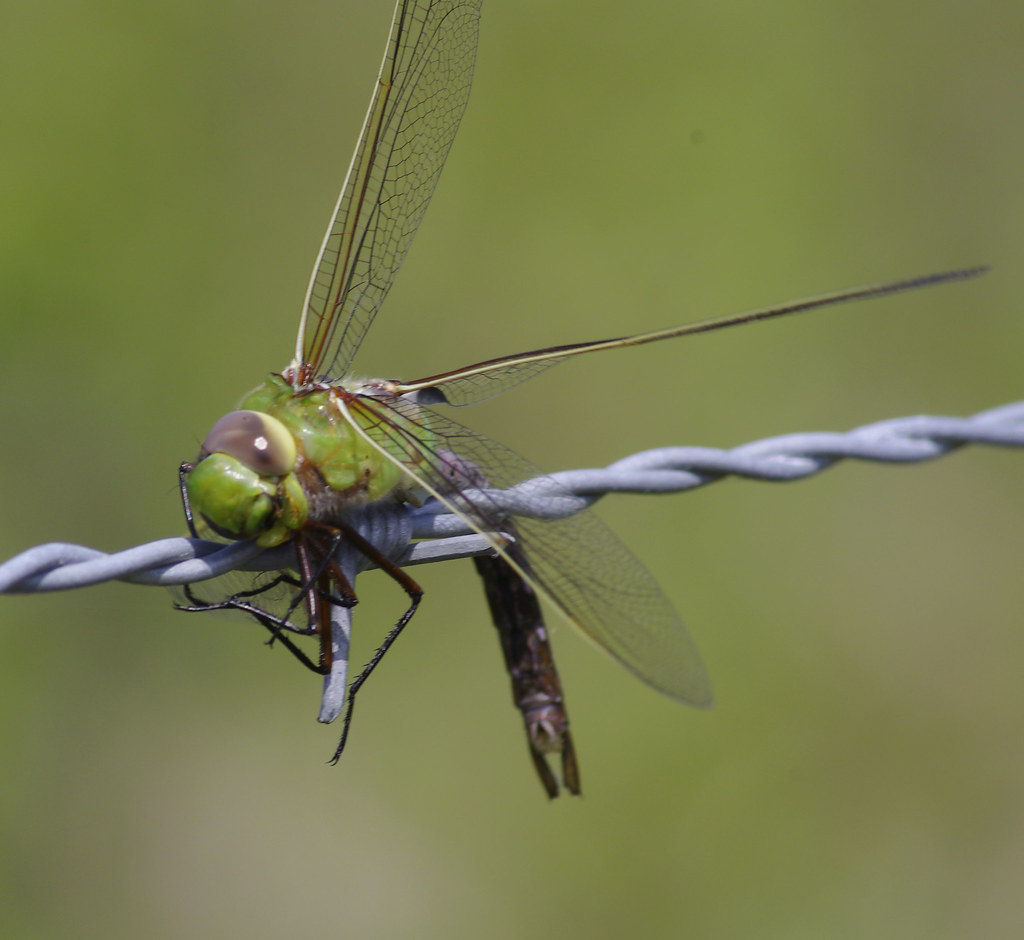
[
  {"x": 183, "y": 471},
  {"x": 320, "y": 584},
  {"x": 414, "y": 592},
  {"x": 197, "y": 604},
  {"x": 309, "y": 593},
  {"x": 315, "y": 591},
  {"x": 320, "y": 601},
  {"x": 344, "y": 595},
  {"x": 276, "y": 625}
]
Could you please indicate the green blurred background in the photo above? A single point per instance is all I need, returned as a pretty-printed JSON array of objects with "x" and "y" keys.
[{"x": 165, "y": 176}]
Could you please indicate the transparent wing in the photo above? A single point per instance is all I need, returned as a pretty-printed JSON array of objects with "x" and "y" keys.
[
  {"x": 476, "y": 387},
  {"x": 577, "y": 563},
  {"x": 482, "y": 380},
  {"x": 414, "y": 113}
]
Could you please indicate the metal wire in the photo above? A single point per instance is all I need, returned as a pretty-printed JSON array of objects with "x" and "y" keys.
[{"x": 427, "y": 534}]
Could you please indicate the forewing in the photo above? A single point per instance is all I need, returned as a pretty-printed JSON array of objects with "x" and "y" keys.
[
  {"x": 577, "y": 563},
  {"x": 482, "y": 385},
  {"x": 481, "y": 380},
  {"x": 414, "y": 113}
]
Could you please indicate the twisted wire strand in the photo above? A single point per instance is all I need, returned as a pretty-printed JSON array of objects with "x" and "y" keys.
[{"x": 428, "y": 534}]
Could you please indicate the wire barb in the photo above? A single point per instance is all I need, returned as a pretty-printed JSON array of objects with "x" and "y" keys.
[{"x": 429, "y": 533}]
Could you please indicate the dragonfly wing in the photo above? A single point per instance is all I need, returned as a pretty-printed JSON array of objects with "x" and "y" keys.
[
  {"x": 479, "y": 386},
  {"x": 578, "y": 563},
  {"x": 414, "y": 113},
  {"x": 481, "y": 380}
]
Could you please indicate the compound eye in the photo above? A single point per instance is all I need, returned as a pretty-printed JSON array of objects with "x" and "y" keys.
[{"x": 256, "y": 440}]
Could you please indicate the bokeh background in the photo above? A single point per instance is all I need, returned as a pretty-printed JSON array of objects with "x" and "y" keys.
[{"x": 165, "y": 176}]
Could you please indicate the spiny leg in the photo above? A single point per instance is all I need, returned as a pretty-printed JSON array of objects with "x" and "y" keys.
[
  {"x": 273, "y": 623},
  {"x": 308, "y": 592},
  {"x": 347, "y": 596},
  {"x": 343, "y": 596},
  {"x": 414, "y": 592},
  {"x": 313, "y": 588},
  {"x": 183, "y": 471},
  {"x": 233, "y": 602}
]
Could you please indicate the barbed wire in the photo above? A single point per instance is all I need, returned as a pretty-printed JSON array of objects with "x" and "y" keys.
[{"x": 430, "y": 533}]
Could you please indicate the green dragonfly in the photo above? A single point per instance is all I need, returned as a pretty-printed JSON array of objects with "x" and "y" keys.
[{"x": 311, "y": 445}]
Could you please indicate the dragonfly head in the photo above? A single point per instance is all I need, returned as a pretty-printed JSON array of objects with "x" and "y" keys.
[{"x": 243, "y": 484}]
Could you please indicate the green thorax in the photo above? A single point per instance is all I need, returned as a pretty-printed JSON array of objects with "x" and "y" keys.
[{"x": 348, "y": 463}]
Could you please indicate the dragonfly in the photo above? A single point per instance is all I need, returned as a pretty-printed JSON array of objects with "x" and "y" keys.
[{"x": 314, "y": 444}]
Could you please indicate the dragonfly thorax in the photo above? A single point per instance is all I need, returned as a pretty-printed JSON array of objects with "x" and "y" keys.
[{"x": 289, "y": 458}]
